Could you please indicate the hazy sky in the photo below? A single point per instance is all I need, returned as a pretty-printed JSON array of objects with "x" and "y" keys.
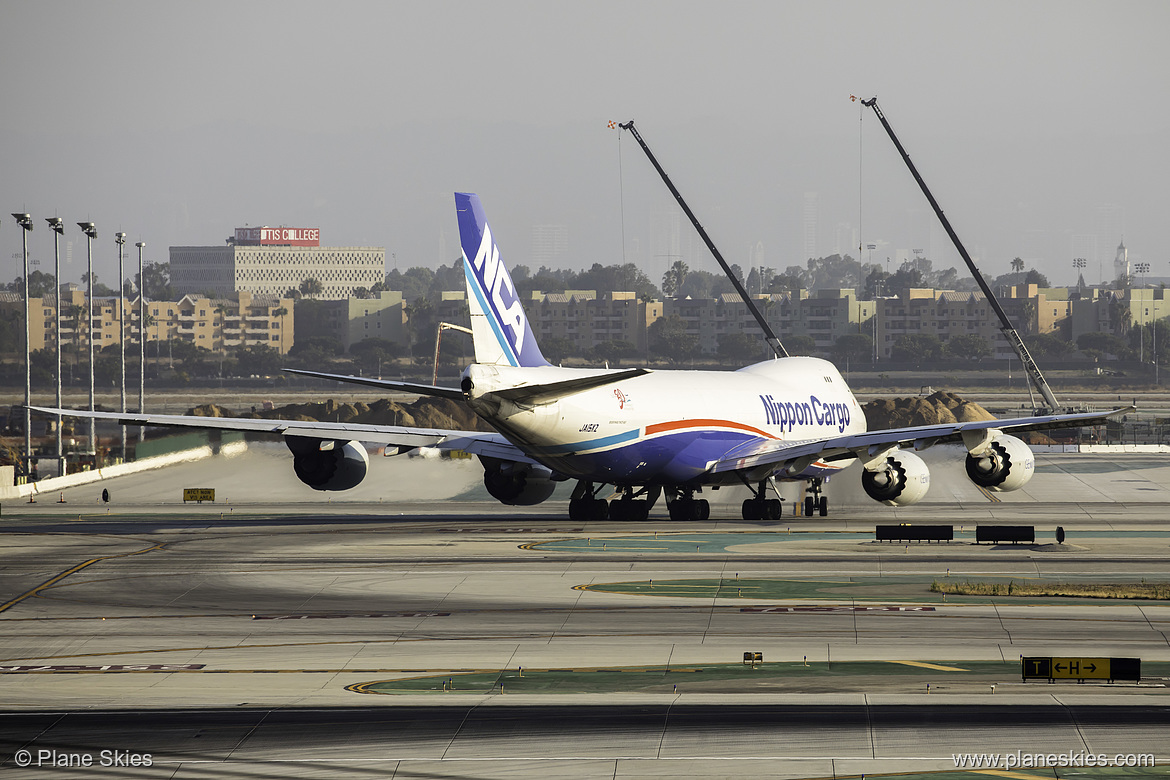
[{"x": 1033, "y": 122}]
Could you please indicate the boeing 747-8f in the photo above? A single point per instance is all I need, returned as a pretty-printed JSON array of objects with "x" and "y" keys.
[{"x": 644, "y": 432}]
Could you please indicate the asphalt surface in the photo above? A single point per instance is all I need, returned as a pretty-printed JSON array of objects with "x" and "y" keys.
[{"x": 226, "y": 639}]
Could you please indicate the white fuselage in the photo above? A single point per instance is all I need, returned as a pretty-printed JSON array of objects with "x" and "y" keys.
[{"x": 670, "y": 427}]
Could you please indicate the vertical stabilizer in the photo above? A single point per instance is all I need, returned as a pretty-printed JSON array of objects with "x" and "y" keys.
[{"x": 499, "y": 326}]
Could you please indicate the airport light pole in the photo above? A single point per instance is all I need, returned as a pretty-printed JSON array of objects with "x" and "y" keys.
[
  {"x": 141, "y": 340},
  {"x": 90, "y": 233},
  {"x": 120, "y": 240},
  {"x": 25, "y": 221},
  {"x": 58, "y": 228},
  {"x": 1143, "y": 269}
]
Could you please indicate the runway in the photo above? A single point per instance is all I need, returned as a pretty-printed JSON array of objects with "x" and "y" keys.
[{"x": 251, "y": 630}]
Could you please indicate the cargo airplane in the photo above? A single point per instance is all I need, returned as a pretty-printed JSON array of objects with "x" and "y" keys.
[{"x": 644, "y": 432}]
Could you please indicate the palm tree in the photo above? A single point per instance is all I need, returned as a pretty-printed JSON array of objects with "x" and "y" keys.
[
  {"x": 1018, "y": 265},
  {"x": 311, "y": 288},
  {"x": 75, "y": 312},
  {"x": 280, "y": 313}
]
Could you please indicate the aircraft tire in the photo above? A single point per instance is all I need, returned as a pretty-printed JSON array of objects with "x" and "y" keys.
[
  {"x": 809, "y": 505},
  {"x": 773, "y": 509},
  {"x": 823, "y": 506},
  {"x": 702, "y": 509},
  {"x": 754, "y": 509},
  {"x": 600, "y": 509}
]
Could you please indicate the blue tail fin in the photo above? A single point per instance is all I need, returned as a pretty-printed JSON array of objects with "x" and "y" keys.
[{"x": 499, "y": 327}]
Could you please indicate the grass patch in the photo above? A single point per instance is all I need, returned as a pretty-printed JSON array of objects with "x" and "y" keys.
[{"x": 1153, "y": 591}]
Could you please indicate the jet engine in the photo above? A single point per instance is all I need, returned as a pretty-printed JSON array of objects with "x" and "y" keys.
[
  {"x": 517, "y": 484},
  {"x": 324, "y": 464},
  {"x": 1004, "y": 463},
  {"x": 900, "y": 479}
]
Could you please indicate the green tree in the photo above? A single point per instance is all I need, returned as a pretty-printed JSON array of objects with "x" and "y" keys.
[
  {"x": 669, "y": 339},
  {"x": 1017, "y": 265},
  {"x": 39, "y": 284},
  {"x": 969, "y": 346},
  {"x": 257, "y": 359},
  {"x": 326, "y": 344},
  {"x": 158, "y": 285},
  {"x": 673, "y": 279},
  {"x": 311, "y": 288},
  {"x": 1048, "y": 345},
  {"x": 1035, "y": 277},
  {"x": 853, "y": 347},
  {"x": 800, "y": 345},
  {"x": 557, "y": 348},
  {"x": 1105, "y": 343},
  {"x": 877, "y": 283},
  {"x": 740, "y": 348},
  {"x": 614, "y": 352},
  {"x": 916, "y": 348}
]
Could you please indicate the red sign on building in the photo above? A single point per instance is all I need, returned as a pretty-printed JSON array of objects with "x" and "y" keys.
[{"x": 280, "y": 236}]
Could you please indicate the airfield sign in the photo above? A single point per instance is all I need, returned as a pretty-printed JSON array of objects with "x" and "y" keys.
[{"x": 1054, "y": 668}]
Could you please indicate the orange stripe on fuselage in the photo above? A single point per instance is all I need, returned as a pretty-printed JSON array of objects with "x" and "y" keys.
[{"x": 680, "y": 424}]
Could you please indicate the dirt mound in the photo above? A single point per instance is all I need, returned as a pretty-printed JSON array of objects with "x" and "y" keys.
[
  {"x": 439, "y": 413},
  {"x": 938, "y": 408},
  {"x": 211, "y": 410}
]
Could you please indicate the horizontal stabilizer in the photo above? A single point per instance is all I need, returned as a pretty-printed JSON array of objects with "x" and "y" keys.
[
  {"x": 385, "y": 384},
  {"x": 539, "y": 393}
]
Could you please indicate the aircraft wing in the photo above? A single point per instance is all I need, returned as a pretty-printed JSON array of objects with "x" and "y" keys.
[
  {"x": 385, "y": 384},
  {"x": 475, "y": 442},
  {"x": 865, "y": 445}
]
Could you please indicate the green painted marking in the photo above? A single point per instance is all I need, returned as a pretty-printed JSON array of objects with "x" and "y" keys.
[
  {"x": 910, "y": 589},
  {"x": 707, "y": 678}
]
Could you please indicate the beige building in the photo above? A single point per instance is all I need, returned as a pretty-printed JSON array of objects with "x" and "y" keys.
[
  {"x": 587, "y": 319},
  {"x": 223, "y": 323},
  {"x": 216, "y": 324},
  {"x": 353, "y": 320},
  {"x": 274, "y": 270}
]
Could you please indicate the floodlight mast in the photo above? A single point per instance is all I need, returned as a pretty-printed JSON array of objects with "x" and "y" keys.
[
  {"x": 769, "y": 335},
  {"x": 1008, "y": 330}
]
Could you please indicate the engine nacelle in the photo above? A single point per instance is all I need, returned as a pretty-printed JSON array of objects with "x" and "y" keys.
[
  {"x": 517, "y": 484},
  {"x": 902, "y": 479},
  {"x": 1004, "y": 464},
  {"x": 324, "y": 464}
]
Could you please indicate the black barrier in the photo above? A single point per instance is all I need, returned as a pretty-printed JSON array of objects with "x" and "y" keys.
[
  {"x": 1005, "y": 533},
  {"x": 914, "y": 533}
]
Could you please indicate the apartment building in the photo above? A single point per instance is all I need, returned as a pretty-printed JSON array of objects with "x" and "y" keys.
[
  {"x": 588, "y": 319},
  {"x": 223, "y": 323}
]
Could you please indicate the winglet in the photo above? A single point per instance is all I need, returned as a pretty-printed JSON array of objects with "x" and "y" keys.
[{"x": 499, "y": 326}]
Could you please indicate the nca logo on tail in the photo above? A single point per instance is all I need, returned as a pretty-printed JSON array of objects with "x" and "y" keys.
[{"x": 488, "y": 272}]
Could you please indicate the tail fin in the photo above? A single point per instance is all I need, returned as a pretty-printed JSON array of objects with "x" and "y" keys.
[{"x": 499, "y": 327}]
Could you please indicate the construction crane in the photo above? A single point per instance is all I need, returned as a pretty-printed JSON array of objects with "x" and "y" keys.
[
  {"x": 1008, "y": 330},
  {"x": 438, "y": 342},
  {"x": 772, "y": 339}
]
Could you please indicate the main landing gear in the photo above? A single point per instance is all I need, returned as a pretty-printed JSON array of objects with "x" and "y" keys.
[
  {"x": 630, "y": 507},
  {"x": 760, "y": 507},
  {"x": 815, "y": 502},
  {"x": 585, "y": 506},
  {"x": 684, "y": 506}
]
